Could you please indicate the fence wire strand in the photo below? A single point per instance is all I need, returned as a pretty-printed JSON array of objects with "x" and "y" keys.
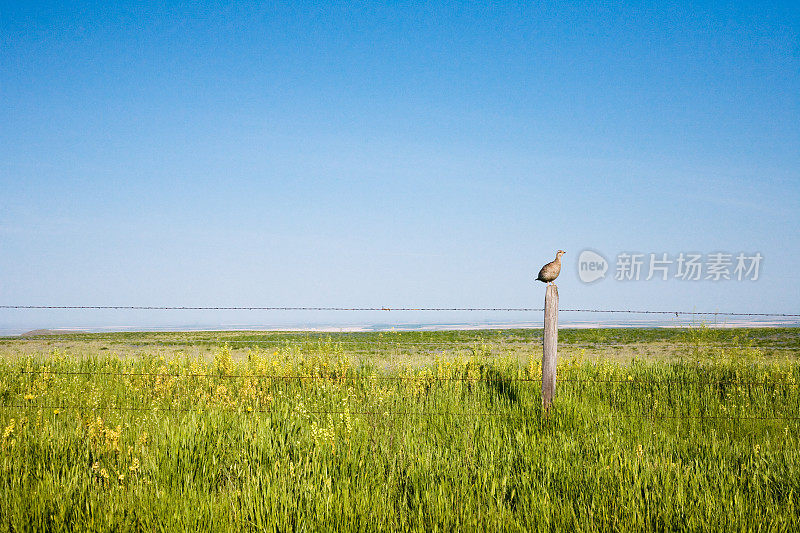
[{"x": 506, "y": 309}]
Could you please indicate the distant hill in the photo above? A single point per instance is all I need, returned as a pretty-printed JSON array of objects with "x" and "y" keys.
[{"x": 42, "y": 332}]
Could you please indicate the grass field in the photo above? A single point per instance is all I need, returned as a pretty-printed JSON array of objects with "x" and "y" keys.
[{"x": 659, "y": 429}]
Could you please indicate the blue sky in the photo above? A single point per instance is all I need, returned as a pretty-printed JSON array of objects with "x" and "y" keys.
[{"x": 390, "y": 155}]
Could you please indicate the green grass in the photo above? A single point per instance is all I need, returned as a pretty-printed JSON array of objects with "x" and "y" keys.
[{"x": 400, "y": 431}]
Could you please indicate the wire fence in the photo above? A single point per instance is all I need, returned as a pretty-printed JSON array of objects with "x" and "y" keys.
[
  {"x": 441, "y": 309},
  {"x": 395, "y": 347}
]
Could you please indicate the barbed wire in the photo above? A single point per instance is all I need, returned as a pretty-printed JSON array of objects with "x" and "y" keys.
[{"x": 279, "y": 308}]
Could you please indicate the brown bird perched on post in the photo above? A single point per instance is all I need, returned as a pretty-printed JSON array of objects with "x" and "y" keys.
[{"x": 551, "y": 270}]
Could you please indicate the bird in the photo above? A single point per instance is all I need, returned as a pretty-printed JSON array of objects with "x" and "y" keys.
[{"x": 551, "y": 270}]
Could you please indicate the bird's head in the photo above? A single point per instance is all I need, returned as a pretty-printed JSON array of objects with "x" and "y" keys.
[{"x": 560, "y": 253}]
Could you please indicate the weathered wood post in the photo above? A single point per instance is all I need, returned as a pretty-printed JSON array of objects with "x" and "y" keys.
[{"x": 549, "y": 346}]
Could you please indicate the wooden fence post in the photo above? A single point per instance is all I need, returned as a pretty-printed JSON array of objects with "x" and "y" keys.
[{"x": 549, "y": 346}]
